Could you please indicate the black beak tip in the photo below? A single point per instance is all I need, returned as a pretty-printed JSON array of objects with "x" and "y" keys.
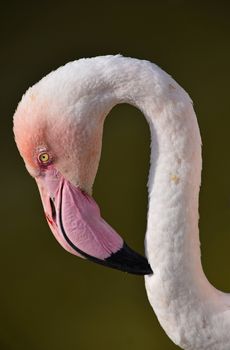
[{"x": 130, "y": 261}]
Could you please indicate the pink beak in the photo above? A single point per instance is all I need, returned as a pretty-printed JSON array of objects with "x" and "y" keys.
[{"x": 75, "y": 220}]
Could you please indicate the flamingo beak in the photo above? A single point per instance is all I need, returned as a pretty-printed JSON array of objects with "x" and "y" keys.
[{"x": 75, "y": 220}]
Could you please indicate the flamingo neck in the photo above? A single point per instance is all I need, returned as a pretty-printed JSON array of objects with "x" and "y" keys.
[
  {"x": 172, "y": 238},
  {"x": 181, "y": 296}
]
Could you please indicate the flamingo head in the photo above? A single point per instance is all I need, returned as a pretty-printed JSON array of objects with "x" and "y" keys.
[{"x": 58, "y": 132}]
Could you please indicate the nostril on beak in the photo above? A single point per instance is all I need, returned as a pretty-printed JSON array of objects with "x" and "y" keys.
[{"x": 53, "y": 210}]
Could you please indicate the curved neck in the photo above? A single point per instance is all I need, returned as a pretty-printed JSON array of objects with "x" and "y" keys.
[
  {"x": 178, "y": 291},
  {"x": 172, "y": 241},
  {"x": 184, "y": 301}
]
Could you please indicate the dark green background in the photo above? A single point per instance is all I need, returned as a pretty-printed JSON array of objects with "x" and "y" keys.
[{"x": 50, "y": 299}]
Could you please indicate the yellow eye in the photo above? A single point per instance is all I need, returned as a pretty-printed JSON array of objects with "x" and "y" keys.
[{"x": 44, "y": 158}]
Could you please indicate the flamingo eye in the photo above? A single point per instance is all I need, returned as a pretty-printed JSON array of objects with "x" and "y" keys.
[{"x": 44, "y": 158}]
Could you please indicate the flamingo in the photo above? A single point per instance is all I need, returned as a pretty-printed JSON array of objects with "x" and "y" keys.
[{"x": 58, "y": 128}]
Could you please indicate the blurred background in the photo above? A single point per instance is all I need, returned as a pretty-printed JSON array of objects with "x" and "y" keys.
[{"x": 50, "y": 299}]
